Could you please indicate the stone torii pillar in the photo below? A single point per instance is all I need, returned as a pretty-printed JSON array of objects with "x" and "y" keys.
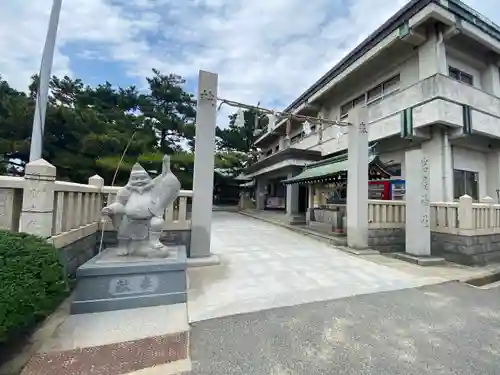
[
  {"x": 203, "y": 178},
  {"x": 357, "y": 179}
]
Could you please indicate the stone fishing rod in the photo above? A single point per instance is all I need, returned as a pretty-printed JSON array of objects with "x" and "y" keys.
[{"x": 103, "y": 223}]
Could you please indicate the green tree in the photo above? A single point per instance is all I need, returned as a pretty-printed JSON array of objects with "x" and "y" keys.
[
  {"x": 168, "y": 109},
  {"x": 88, "y": 128},
  {"x": 241, "y": 138},
  {"x": 238, "y": 142},
  {"x": 16, "y": 110}
]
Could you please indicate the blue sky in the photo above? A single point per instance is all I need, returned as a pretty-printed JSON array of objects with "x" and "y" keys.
[{"x": 263, "y": 50}]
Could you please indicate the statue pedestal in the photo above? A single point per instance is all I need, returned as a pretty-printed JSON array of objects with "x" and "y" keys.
[{"x": 111, "y": 282}]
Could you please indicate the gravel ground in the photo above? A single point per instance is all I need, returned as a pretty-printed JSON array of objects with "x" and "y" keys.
[{"x": 449, "y": 328}]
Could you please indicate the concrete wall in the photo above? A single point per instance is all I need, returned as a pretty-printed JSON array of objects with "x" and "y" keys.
[
  {"x": 78, "y": 252},
  {"x": 469, "y": 250},
  {"x": 387, "y": 240}
]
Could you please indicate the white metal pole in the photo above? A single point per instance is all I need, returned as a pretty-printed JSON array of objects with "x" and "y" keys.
[{"x": 44, "y": 77}]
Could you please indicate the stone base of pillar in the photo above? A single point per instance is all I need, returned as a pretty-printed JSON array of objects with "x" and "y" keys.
[
  {"x": 296, "y": 219},
  {"x": 362, "y": 252},
  {"x": 212, "y": 260},
  {"x": 310, "y": 215},
  {"x": 421, "y": 260},
  {"x": 357, "y": 238}
]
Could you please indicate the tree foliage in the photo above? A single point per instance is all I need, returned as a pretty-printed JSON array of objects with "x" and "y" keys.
[
  {"x": 238, "y": 141},
  {"x": 87, "y": 128}
]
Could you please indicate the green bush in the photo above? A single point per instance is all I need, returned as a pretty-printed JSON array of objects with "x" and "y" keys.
[{"x": 32, "y": 282}]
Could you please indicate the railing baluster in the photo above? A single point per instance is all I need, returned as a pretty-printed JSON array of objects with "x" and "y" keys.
[
  {"x": 182, "y": 210},
  {"x": 59, "y": 213}
]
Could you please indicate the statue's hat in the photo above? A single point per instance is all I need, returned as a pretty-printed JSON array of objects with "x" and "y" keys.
[{"x": 138, "y": 169}]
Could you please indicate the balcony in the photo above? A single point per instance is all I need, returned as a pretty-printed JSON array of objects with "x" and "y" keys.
[
  {"x": 437, "y": 99},
  {"x": 286, "y": 158}
]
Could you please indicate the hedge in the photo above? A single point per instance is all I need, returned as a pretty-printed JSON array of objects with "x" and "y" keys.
[{"x": 32, "y": 282}]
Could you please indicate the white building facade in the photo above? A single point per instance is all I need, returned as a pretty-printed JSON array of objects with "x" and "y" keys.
[{"x": 430, "y": 79}]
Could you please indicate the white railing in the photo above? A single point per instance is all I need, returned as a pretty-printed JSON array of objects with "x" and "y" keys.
[
  {"x": 461, "y": 218},
  {"x": 444, "y": 217},
  {"x": 11, "y": 196},
  {"x": 75, "y": 205},
  {"x": 177, "y": 216},
  {"x": 386, "y": 214},
  {"x": 76, "y": 212},
  {"x": 75, "y": 208}
]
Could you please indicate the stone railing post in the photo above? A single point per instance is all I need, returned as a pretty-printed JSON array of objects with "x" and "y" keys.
[
  {"x": 96, "y": 199},
  {"x": 465, "y": 214},
  {"x": 38, "y": 199},
  {"x": 182, "y": 209},
  {"x": 491, "y": 215}
]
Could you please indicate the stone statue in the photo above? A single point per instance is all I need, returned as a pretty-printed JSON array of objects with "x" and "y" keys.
[{"x": 137, "y": 212}]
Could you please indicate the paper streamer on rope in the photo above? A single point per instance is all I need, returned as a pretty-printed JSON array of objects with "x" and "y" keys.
[
  {"x": 339, "y": 133},
  {"x": 306, "y": 127},
  {"x": 288, "y": 115},
  {"x": 240, "y": 118},
  {"x": 272, "y": 121}
]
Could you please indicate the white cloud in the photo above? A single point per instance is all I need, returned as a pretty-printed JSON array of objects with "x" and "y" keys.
[{"x": 263, "y": 50}]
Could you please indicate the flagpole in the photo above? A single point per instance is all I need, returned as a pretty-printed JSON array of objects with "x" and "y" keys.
[{"x": 44, "y": 77}]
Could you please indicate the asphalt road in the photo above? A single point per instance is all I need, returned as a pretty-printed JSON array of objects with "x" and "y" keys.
[{"x": 442, "y": 329}]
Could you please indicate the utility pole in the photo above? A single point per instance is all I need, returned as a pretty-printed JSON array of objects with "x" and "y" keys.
[{"x": 43, "y": 87}]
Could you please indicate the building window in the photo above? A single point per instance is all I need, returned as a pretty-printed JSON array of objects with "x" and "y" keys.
[
  {"x": 375, "y": 93},
  {"x": 461, "y": 76},
  {"x": 391, "y": 84},
  {"x": 360, "y": 100},
  {"x": 465, "y": 182},
  {"x": 345, "y": 109}
]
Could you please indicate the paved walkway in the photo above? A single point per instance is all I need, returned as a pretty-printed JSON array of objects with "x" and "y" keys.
[
  {"x": 265, "y": 266},
  {"x": 446, "y": 329}
]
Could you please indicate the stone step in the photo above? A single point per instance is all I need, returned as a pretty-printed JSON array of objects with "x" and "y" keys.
[
  {"x": 152, "y": 340},
  {"x": 334, "y": 239}
]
